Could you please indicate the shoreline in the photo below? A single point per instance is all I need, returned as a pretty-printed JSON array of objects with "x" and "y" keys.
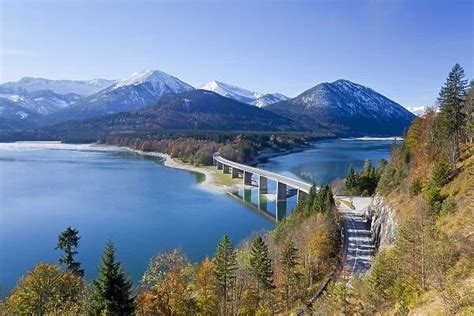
[{"x": 210, "y": 182}]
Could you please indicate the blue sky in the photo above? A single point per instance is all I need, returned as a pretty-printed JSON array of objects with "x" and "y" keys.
[{"x": 403, "y": 49}]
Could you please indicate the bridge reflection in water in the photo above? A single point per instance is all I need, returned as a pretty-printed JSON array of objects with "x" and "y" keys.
[{"x": 272, "y": 199}]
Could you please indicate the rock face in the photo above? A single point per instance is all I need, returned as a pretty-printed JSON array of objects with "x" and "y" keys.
[{"x": 383, "y": 225}]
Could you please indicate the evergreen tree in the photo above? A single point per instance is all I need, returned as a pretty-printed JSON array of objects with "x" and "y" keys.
[
  {"x": 291, "y": 276},
  {"x": 112, "y": 288},
  {"x": 261, "y": 264},
  {"x": 68, "y": 241},
  {"x": 350, "y": 181},
  {"x": 452, "y": 116},
  {"x": 224, "y": 269}
]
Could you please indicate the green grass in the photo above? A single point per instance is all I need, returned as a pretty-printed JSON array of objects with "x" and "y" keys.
[
  {"x": 222, "y": 178},
  {"x": 348, "y": 204}
]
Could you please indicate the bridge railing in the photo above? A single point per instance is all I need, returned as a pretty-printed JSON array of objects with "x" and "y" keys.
[{"x": 298, "y": 184}]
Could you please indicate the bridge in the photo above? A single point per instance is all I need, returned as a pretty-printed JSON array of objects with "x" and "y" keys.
[{"x": 285, "y": 186}]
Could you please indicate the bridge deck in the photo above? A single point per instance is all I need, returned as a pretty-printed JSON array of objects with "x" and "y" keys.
[{"x": 297, "y": 184}]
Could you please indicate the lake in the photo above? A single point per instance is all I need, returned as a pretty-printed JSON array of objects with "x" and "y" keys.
[
  {"x": 328, "y": 160},
  {"x": 142, "y": 206}
]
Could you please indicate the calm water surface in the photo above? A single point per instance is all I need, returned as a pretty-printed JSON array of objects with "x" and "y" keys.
[
  {"x": 330, "y": 159},
  {"x": 142, "y": 206}
]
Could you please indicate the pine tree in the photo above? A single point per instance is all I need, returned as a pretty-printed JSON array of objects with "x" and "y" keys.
[
  {"x": 350, "y": 181},
  {"x": 224, "y": 269},
  {"x": 68, "y": 241},
  {"x": 112, "y": 288},
  {"x": 261, "y": 264},
  {"x": 289, "y": 263},
  {"x": 452, "y": 116}
]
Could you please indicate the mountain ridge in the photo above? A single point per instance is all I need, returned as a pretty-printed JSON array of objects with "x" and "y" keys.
[{"x": 346, "y": 106}]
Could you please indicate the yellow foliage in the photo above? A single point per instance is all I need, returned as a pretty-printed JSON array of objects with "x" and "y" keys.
[{"x": 45, "y": 290}]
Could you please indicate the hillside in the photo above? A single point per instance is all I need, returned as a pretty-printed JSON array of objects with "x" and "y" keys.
[
  {"x": 422, "y": 217},
  {"x": 346, "y": 107}
]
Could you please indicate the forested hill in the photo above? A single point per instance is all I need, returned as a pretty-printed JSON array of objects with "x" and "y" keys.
[
  {"x": 192, "y": 110},
  {"x": 426, "y": 198}
]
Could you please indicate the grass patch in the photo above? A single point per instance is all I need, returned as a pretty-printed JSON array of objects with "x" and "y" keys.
[
  {"x": 222, "y": 178},
  {"x": 348, "y": 204}
]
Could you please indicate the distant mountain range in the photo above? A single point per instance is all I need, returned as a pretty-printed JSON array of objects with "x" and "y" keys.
[
  {"x": 158, "y": 101},
  {"x": 243, "y": 95},
  {"x": 191, "y": 110}
]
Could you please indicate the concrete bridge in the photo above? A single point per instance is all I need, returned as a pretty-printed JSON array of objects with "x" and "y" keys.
[{"x": 285, "y": 186}]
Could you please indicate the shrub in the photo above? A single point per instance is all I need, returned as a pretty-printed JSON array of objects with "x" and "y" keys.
[
  {"x": 433, "y": 196},
  {"x": 440, "y": 173},
  {"x": 415, "y": 187},
  {"x": 448, "y": 205}
]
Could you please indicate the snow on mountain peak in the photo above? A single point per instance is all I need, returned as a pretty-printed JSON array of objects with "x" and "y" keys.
[
  {"x": 80, "y": 87},
  {"x": 158, "y": 79},
  {"x": 242, "y": 95}
]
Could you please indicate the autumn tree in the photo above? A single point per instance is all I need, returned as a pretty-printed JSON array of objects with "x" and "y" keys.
[
  {"x": 112, "y": 288},
  {"x": 166, "y": 286},
  {"x": 46, "y": 290},
  {"x": 205, "y": 288},
  {"x": 224, "y": 269},
  {"x": 68, "y": 242}
]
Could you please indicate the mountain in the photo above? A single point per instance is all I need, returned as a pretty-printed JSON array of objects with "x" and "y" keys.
[
  {"x": 348, "y": 108},
  {"x": 243, "y": 95},
  {"x": 23, "y": 103},
  {"x": 190, "y": 110},
  {"x": 135, "y": 92},
  {"x": 43, "y": 102},
  {"x": 79, "y": 87}
]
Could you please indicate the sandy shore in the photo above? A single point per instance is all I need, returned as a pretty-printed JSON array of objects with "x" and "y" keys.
[{"x": 210, "y": 183}]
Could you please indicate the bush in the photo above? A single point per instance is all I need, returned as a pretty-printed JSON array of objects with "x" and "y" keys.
[
  {"x": 415, "y": 187},
  {"x": 433, "y": 196},
  {"x": 440, "y": 173},
  {"x": 448, "y": 205}
]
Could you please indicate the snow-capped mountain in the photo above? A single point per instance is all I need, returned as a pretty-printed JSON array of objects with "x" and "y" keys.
[
  {"x": 43, "y": 102},
  {"x": 347, "y": 106},
  {"x": 242, "y": 95},
  {"x": 270, "y": 98},
  {"x": 79, "y": 87},
  {"x": 417, "y": 110},
  {"x": 137, "y": 91}
]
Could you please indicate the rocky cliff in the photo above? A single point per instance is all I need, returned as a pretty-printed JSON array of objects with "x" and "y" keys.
[{"x": 382, "y": 222}]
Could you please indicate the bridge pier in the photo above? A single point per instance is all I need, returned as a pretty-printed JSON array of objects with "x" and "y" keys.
[
  {"x": 219, "y": 165},
  {"x": 247, "y": 178},
  {"x": 281, "y": 191},
  {"x": 235, "y": 172},
  {"x": 226, "y": 168},
  {"x": 262, "y": 185}
]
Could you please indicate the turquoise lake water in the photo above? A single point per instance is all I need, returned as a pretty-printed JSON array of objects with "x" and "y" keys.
[{"x": 142, "y": 206}]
